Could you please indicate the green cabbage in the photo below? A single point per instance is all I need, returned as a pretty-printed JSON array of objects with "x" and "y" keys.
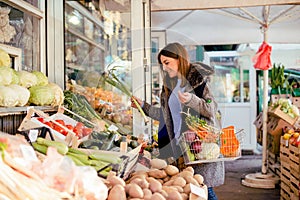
[
  {"x": 46, "y": 95},
  {"x": 27, "y": 79},
  {"x": 58, "y": 94},
  {"x": 42, "y": 79},
  {"x": 15, "y": 77},
  {"x": 8, "y": 97},
  {"x": 41, "y": 95},
  {"x": 22, "y": 93},
  {"x": 4, "y": 59},
  {"x": 6, "y": 75}
]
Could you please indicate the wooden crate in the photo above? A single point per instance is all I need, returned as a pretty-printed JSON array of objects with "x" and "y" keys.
[
  {"x": 274, "y": 164},
  {"x": 294, "y": 185},
  {"x": 276, "y": 97},
  {"x": 258, "y": 122},
  {"x": 275, "y": 125},
  {"x": 296, "y": 101},
  {"x": 280, "y": 114},
  {"x": 284, "y": 191},
  {"x": 294, "y": 153}
]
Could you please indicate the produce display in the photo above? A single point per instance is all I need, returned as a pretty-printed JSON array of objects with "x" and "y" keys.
[
  {"x": 162, "y": 181},
  {"x": 286, "y": 107},
  {"x": 292, "y": 136}
]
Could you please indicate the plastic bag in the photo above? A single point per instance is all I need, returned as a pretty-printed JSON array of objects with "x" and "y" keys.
[{"x": 262, "y": 58}]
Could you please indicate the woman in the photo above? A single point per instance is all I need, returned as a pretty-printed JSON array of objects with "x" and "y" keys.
[{"x": 185, "y": 88}]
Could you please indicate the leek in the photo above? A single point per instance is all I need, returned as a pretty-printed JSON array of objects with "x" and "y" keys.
[{"x": 113, "y": 80}]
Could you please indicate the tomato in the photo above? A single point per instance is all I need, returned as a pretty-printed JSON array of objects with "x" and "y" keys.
[
  {"x": 86, "y": 131},
  {"x": 41, "y": 119},
  {"x": 79, "y": 125},
  {"x": 60, "y": 121},
  {"x": 70, "y": 127},
  {"x": 49, "y": 124},
  {"x": 78, "y": 131}
]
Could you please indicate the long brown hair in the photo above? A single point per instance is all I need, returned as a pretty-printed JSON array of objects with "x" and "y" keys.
[{"x": 176, "y": 51}]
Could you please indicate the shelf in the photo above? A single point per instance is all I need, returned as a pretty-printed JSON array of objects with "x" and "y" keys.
[{"x": 5, "y": 111}]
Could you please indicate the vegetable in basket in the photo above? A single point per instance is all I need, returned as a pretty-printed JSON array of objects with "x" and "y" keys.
[{"x": 230, "y": 145}]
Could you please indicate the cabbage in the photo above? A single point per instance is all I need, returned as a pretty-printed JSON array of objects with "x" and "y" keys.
[
  {"x": 41, "y": 95},
  {"x": 23, "y": 94},
  {"x": 6, "y": 75},
  {"x": 42, "y": 79},
  {"x": 8, "y": 97},
  {"x": 4, "y": 59},
  {"x": 15, "y": 77},
  {"x": 209, "y": 151},
  {"x": 27, "y": 79},
  {"x": 58, "y": 94}
]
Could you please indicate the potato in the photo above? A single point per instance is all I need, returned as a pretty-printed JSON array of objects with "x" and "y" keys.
[
  {"x": 185, "y": 173},
  {"x": 190, "y": 179},
  {"x": 158, "y": 196},
  {"x": 190, "y": 169},
  {"x": 199, "y": 178},
  {"x": 184, "y": 196},
  {"x": 135, "y": 191},
  {"x": 174, "y": 196},
  {"x": 187, "y": 189},
  {"x": 141, "y": 182},
  {"x": 158, "y": 163},
  {"x": 169, "y": 183},
  {"x": 179, "y": 181},
  {"x": 114, "y": 180},
  {"x": 147, "y": 194},
  {"x": 166, "y": 179},
  {"x": 171, "y": 170},
  {"x": 179, "y": 188},
  {"x": 157, "y": 173},
  {"x": 160, "y": 180},
  {"x": 117, "y": 192},
  {"x": 127, "y": 186},
  {"x": 154, "y": 185},
  {"x": 164, "y": 193},
  {"x": 169, "y": 189}
]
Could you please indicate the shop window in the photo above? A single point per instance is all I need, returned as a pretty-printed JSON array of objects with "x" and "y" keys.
[
  {"x": 231, "y": 81},
  {"x": 20, "y": 33}
]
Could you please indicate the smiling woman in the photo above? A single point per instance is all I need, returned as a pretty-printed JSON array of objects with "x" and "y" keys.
[{"x": 185, "y": 88}]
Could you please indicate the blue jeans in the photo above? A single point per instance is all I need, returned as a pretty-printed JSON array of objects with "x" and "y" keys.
[{"x": 211, "y": 194}]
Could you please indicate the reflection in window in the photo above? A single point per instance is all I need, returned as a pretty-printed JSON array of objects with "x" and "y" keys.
[
  {"x": 22, "y": 32},
  {"x": 230, "y": 83}
]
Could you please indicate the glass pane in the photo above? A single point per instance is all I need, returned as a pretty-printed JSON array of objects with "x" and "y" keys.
[
  {"x": 74, "y": 20},
  {"x": 230, "y": 83},
  {"x": 22, "y": 32},
  {"x": 33, "y": 2}
]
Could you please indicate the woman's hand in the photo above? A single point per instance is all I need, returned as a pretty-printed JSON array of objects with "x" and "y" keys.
[
  {"x": 184, "y": 97},
  {"x": 139, "y": 101}
]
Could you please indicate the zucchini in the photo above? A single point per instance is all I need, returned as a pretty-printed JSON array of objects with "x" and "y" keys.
[
  {"x": 40, "y": 147},
  {"x": 114, "y": 159},
  {"x": 61, "y": 147}
]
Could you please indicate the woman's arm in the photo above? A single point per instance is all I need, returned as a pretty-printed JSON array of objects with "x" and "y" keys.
[
  {"x": 205, "y": 105},
  {"x": 150, "y": 110}
]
